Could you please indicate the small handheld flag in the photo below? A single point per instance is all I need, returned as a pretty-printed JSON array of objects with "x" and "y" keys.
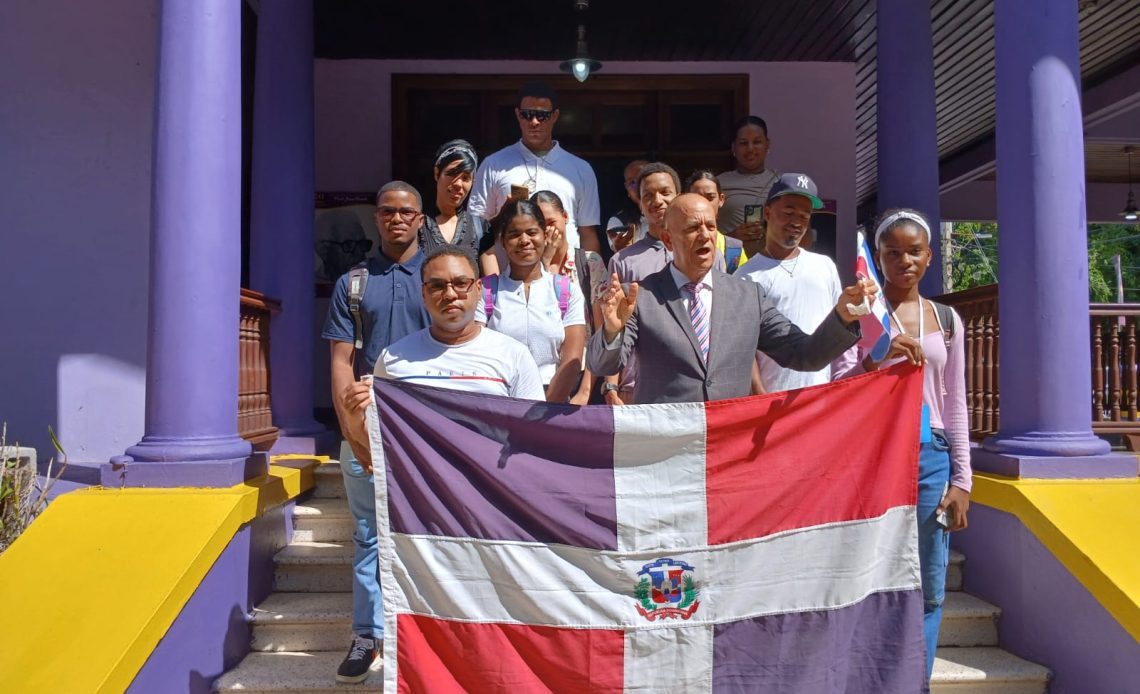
[{"x": 876, "y": 325}]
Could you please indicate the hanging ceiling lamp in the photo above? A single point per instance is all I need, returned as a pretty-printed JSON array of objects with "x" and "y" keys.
[
  {"x": 581, "y": 65},
  {"x": 1130, "y": 213}
]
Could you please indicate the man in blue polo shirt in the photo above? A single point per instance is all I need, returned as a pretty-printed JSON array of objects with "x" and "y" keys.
[{"x": 390, "y": 308}]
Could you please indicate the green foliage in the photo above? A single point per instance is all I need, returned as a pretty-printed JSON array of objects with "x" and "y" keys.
[
  {"x": 1106, "y": 241},
  {"x": 974, "y": 258},
  {"x": 22, "y": 495}
]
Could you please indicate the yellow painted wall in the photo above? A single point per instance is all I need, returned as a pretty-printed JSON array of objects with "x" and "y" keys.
[
  {"x": 92, "y": 586},
  {"x": 1091, "y": 526}
]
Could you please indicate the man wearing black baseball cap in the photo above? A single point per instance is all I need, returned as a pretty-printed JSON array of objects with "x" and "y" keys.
[{"x": 803, "y": 285}]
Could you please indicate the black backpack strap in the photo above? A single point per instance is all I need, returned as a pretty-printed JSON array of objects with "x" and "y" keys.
[
  {"x": 357, "y": 283},
  {"x": 945, "y": 316}
]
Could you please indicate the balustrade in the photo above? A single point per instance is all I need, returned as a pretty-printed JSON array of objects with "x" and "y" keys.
[
  {"x": 255, "y": 402},
  {"x": 1114, "y": 399}
]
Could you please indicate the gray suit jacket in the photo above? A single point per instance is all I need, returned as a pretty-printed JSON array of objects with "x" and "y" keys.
[{"x": 670, "y": 367}]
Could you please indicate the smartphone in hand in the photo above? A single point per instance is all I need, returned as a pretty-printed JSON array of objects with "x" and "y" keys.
[
  {"x": 945, "y": 518},
  {"x": 753, "y": 213}
]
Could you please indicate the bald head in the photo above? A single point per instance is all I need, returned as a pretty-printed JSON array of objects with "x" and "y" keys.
[
  {"x": 690, "y": 224},
  {"x": 684, "y": 207}
]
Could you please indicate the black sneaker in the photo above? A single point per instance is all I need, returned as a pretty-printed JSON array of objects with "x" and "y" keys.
[{"x": 354, "y": 668}]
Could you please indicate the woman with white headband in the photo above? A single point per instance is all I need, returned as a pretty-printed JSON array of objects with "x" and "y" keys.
[
  {"x": 902, "y": 251},
  {"x": 455, "y": 164}
]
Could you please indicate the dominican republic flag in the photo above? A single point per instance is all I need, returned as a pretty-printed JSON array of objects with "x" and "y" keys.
[
  {"x": 764, "y": 544},
  {"x": 876, "y": 327}
]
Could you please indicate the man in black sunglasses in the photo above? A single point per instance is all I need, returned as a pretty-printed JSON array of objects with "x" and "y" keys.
[{"x": 537, "y": 162}]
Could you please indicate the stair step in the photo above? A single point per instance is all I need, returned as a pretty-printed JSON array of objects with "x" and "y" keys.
[
  {"x": 314, "y": 567},
  {"x": 327, "y": 481},
  {"x": 956, "y": 671},
  {"x": 985, "y": 671},
  {"x": 954, "y": 570},
  {"x": 294, "y": 672},
  {"x": 303, "y": 622},
  {"x": 322, "y": 520},
  {"x": 967, "y": 620}
]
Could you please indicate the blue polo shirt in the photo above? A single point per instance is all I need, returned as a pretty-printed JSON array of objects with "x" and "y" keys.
[{"x": 392, "y": 307}]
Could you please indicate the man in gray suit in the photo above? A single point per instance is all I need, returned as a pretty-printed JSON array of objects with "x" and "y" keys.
[{"x": 696, "y": 330}]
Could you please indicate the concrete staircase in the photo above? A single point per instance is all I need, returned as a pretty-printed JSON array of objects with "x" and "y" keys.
[{"x": 302, "y": 631}]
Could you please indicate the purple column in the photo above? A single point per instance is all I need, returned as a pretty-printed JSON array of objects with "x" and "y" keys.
[
  {"x": 906, "y": 120},
  {"x": 281, "y": 215},
  {"x": 195, "y": 256},
  {"x": 1046, "y": 383}
]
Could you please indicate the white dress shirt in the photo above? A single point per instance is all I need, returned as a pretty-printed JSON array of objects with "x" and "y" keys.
[{"x": 705, "y": 292}]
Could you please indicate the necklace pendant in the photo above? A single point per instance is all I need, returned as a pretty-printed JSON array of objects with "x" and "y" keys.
[{"x": 531, "y": 185}]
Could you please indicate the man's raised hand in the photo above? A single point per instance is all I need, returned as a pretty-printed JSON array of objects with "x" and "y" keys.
[
  {"x": 854, "y": 295},
  {"x": 617, "y": 307}
]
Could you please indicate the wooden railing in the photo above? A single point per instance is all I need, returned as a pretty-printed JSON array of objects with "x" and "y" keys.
[
  {"x": 1113, "y": 331},
  {"x": 255, "y": 402},
  {"x": 1113, "y": 327},
  {"x": 979, "y": 312}
]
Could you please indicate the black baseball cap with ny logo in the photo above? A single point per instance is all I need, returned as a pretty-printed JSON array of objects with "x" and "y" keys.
[{"x": 795, "y": 184}]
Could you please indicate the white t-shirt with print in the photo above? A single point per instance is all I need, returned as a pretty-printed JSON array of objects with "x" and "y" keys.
[
  {"x": 538, "y": 323},
  {"x": 806, "y": 289},
  {"x": 567, "y": 176},
  {"x": 492, "y": 363}
]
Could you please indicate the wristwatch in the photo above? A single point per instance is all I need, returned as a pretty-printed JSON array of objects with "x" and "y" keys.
[{"x": 608, "y": 387}]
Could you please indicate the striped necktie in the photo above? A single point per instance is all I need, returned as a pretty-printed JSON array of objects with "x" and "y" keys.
[{"x": 700, "y": 317}]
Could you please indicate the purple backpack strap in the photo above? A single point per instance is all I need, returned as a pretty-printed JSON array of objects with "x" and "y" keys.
[
  {"x": 562, "y": 291},
  {"x": 490, "y": 289}
]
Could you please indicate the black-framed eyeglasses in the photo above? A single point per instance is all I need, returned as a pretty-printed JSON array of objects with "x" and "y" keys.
[
  {"x": 540, "y": 115},
  {"x": 407, "y": 213},
  {"x": 462, "y": 285}
]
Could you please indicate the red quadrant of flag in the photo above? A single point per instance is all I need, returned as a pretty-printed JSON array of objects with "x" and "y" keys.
[
  {"x": 759, "y": 457},
  {"x": 443, "y": 656}
]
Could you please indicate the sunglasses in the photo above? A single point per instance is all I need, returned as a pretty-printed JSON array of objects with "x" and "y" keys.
[
  {"x": 540, "y": 115},
  {"x": 436, "y": 287}
]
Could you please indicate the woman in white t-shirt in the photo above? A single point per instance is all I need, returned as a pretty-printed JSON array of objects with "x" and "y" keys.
[{"x": 544, "y": 311}]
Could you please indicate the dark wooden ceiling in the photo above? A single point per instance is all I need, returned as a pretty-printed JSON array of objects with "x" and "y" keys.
[{"x": 738, "y": 30}]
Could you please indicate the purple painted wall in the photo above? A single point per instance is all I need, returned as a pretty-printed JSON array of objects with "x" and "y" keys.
[
  {"x": 75, "y": 124},
  {"x": 212, "y": 634},
  {"x": 977, "y": 200},
  {"x": 1047, "y": 616}
]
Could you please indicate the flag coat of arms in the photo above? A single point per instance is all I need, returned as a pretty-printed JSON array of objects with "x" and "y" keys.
[{"x": 764, "y": 544}]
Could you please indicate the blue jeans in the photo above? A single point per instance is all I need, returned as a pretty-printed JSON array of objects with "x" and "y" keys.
[
  {"x": 367, "y": 605},
  {"x": 933, "y": 540}
]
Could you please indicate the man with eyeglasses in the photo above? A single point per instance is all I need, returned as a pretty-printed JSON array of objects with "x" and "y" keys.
[
  {"x": 390, "y": 308},
  {"x": 455, "y": 352},
  {"x": 537, "y": 162}
]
